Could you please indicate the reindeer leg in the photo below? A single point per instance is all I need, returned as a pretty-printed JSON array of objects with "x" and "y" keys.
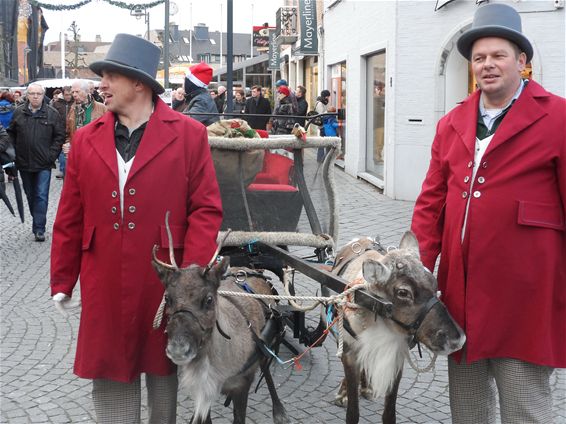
[
  {"x": 365, "y": 388},
  {"x": 389, "y": 414},
  {"x": 279, "y": 412},
  {"x": 240, "y": 400},
  {"x": 352, "y": 377},
  {"x": 341, "y": 398}
]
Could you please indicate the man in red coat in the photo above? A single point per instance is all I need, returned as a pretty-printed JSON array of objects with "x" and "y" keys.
[
  {"x": 493, "y": 206},
  {"x": 125, "y": 171}
]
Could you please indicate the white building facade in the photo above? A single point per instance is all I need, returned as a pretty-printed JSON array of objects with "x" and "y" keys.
[{"x": 394, "y": 67}]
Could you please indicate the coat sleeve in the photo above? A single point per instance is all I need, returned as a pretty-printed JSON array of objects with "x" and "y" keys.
[
  {"x": 58, "y": 135},
  {"x": 204, "y": 204},
  {"x": 428, "y": 215},
  {"x": 66, "y": 250}
]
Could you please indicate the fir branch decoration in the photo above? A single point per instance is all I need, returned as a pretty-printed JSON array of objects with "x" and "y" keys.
[{"x": 120, "y": 4}]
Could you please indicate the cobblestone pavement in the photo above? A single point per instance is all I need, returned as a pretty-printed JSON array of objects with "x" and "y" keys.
[{"x": 38, "y": 345}]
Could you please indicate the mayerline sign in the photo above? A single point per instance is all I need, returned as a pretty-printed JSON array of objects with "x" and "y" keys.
[
  {"x": 309, "y": 37},
  {"x": 274, "y": 59}
]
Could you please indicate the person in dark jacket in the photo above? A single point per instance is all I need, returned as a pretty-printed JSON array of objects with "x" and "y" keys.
[
  {"x": 62, "y": 105},
  {"x": 220, "y": 99},
  {"x": 197, "y": 97},
  {"x": 37, "y": 133},
  {"x": 257, "y": 104},
  {"x": 302, "y": 104},
  {"x": 239, "y": 103},
  {"x": 281, "y": 125}
]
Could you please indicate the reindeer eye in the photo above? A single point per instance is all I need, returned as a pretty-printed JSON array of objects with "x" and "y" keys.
[
  {"x": 403, "y": 294},
  {"x": 168, "y": 301},
  {"x": 208, "y": 301}
]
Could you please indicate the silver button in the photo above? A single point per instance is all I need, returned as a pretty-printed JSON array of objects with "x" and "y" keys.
[
  {"x": 114, "y": 193},
  {"x": 470, "y": 163},
  {"x": 464, "y": 194},
  {"x": 466, "y": 179},
  {"x": 132, "y": 209},
  {"x": 131, "y": 225},
  {"x": 484, "y": 165},
  {"x": 116, "y": 225},
  {"x": 477, "y": 194},
  {"x": 114, "y": 209},
  {"x": 132, "y": 191},
  {"x": 481, "y": 180}
]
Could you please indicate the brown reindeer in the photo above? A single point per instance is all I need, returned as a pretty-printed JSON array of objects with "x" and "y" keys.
[
  {"x": 376, "y": 347},
  {"x": 214, "y": 339}
]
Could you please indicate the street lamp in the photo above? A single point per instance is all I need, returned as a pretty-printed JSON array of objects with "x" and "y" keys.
[
  {"x": 138, "y": 12},
  {"x": 26, "y": 73}
]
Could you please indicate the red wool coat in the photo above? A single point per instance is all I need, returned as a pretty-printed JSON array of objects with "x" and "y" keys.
[
  {"x": 511, "y": 296},
  {"x": 120, "y": 291}
]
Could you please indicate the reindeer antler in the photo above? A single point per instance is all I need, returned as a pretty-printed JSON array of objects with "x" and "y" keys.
[
  {"x": 216, "y": 252},
  {"x": 173, "y": 264}
]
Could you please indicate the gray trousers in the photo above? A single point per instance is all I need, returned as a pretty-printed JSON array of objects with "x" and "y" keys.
[
  {"x": 116, "y": 402},
  {"x": 523, "y": 390}
]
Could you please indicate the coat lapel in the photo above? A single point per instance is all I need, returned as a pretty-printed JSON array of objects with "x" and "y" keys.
[
  {"x": 465, "y": 122},
  {"x": 524, "y": 112},
  {"x": 102, "y": 141},
  {"x": 158, "y": 134}
]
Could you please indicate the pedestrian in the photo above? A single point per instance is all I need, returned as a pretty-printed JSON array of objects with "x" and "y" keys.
[
  {"x": 220, "y": 99},
  {"x": 330, "y": 123},
  {"x": 62, "y": 105},
  {"x": 92, "y": 90},
  {"x": 125, "y": 171},
  {"x": 198, "y": 99},
  {"x": 83, "y": 111},
  {"x": 178, "y": 102},
  {"x": 302, "y": 104},
  {"x": 281, "y": 125},
  {"x": 493, "y": 206},
  {"x": 7, "y": 108},
  {"x": 18, "y": 97},
  {"x": 320, "y": 107},
  {"x": 37, "y": 134},
  {"x": 257, "y": 105},
  {"x": 239, "y": 105}
]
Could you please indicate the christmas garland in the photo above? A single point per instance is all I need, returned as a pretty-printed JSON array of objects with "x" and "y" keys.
[{"x": 82, "y": 3}]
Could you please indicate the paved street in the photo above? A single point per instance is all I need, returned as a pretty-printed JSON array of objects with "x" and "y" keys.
[{"x": 37, "y": 344}]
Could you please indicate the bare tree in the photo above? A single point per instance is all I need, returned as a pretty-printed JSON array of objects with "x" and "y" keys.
[{"x": 74, "y": 47}]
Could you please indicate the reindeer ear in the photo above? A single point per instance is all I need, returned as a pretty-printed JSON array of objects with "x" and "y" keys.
[
  {"x": 164, "y": 273},
  {"x": 409, "y": 242},
  {"x": 219, "y": 269},
  {"x": 375, "y": 272}
]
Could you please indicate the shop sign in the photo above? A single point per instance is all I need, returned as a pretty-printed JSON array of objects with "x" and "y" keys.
[
  {"x": 309, "y": 37},
  {"x": 261, "y": 36},
  {"x": 274, "y": 58}
]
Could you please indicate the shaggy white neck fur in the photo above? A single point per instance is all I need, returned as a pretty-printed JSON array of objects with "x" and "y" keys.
[
  {"x": 204, "y": 383},
  {"x": 380, "y": 353}
]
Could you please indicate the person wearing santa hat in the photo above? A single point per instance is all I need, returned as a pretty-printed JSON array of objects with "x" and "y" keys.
[
  {"x": 197, "y": 97},
  {"x": 285, "y": 106}
]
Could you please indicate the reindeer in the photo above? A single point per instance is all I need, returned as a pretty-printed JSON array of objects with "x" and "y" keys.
[
  {"x": 214, "y": 339},
  {"x": 375, "y": 349}
]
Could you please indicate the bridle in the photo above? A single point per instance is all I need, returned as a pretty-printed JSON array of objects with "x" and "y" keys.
[{"x": 413, "y": 327}]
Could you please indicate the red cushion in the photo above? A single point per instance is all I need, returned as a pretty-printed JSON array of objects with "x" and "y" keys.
[
  {"x": 262, "y": 133},
  {"x": 271, "y": 187},
  {"x": 276, "y": 167}
]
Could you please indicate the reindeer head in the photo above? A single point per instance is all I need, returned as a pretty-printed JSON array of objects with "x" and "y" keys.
[
  {"x": 190, "y": 303},
  {"x": 401, "y": 278}
]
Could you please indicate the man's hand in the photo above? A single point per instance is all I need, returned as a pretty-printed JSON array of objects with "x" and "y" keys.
[
  {"x": 66, "y": 149},
  {"x": 63, "y": 303}
]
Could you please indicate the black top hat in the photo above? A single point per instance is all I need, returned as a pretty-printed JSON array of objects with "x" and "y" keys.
[
  {"x": 134, "y": 57},
  {"x": 495, "y": 20}
]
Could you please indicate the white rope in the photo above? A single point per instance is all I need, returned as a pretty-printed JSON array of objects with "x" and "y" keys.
[
  {"x": 415, "y": 366},
  {"x": 339, "y": 300}
]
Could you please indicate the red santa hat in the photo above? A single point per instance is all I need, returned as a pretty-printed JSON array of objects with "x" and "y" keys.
[{"x": 200, "y": 75}]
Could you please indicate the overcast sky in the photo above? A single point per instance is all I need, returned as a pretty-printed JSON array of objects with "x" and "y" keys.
[{"x": 99, "y": 17}]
